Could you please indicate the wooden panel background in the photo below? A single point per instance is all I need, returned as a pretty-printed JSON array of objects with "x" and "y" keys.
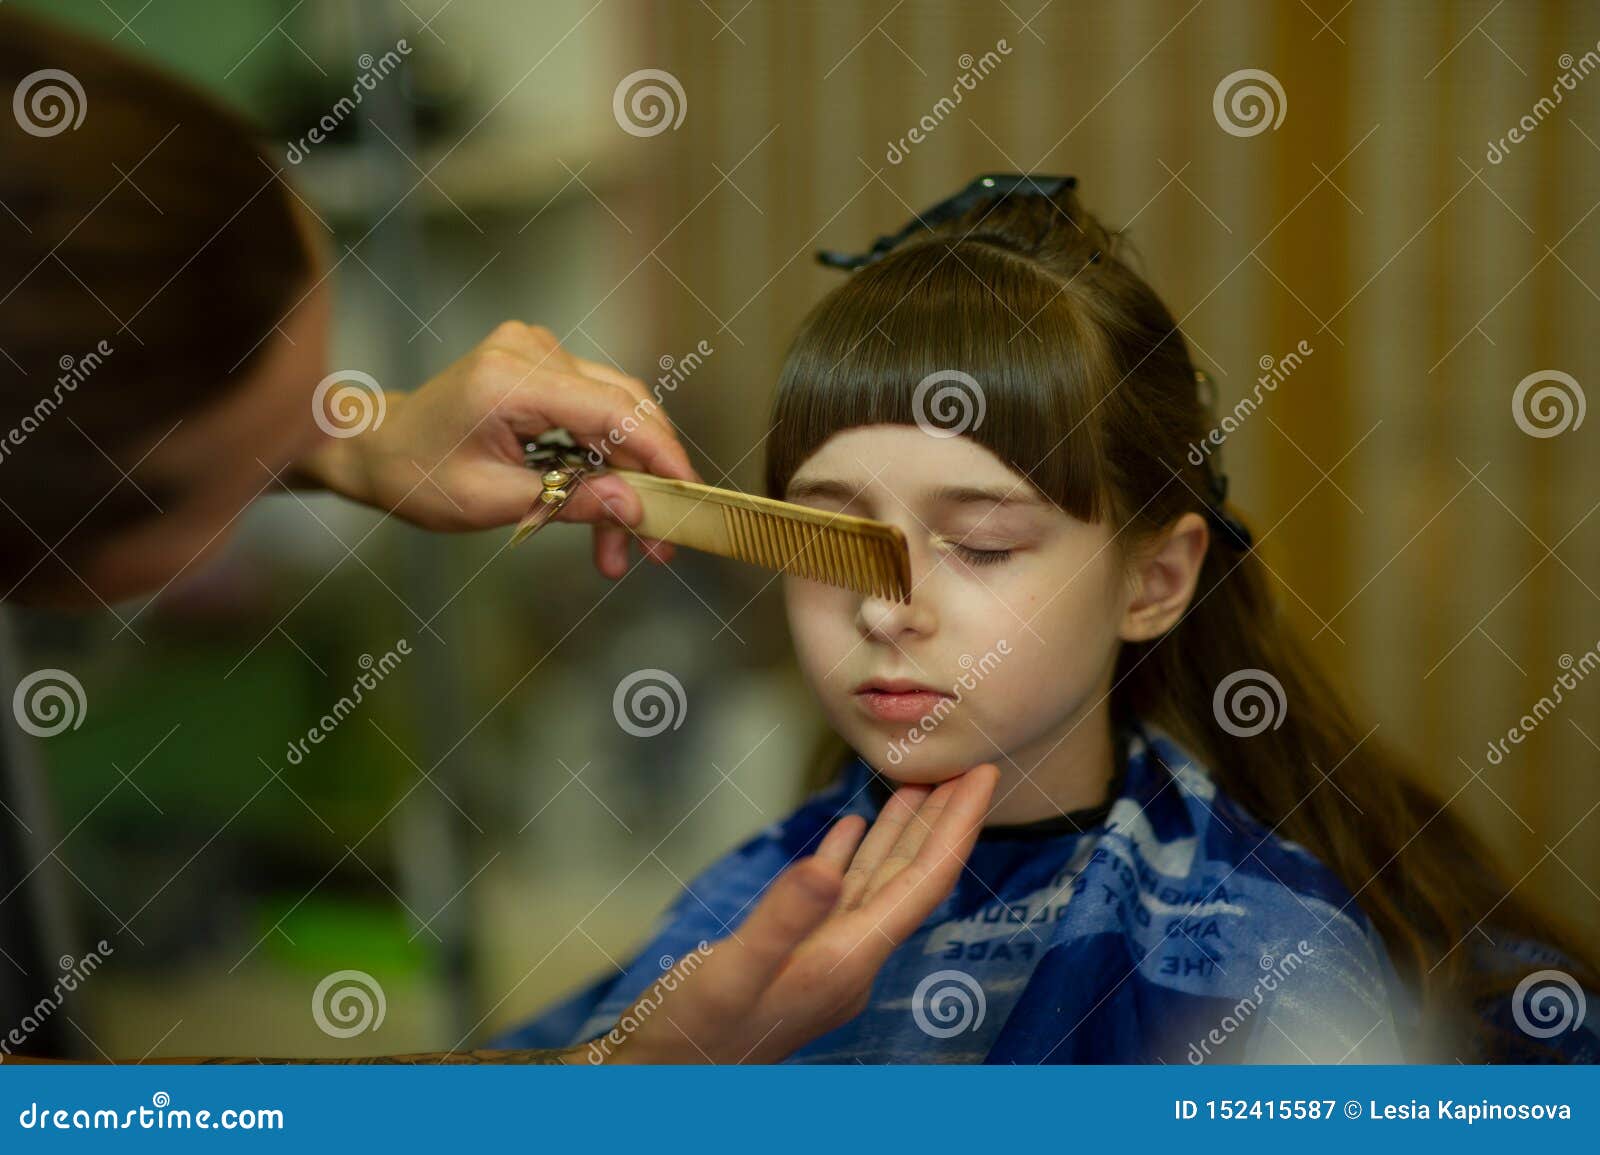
[{"x": 1444, "y": 560}]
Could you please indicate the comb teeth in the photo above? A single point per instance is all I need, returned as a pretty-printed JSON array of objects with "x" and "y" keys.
[{"x": 870, "y": 564}]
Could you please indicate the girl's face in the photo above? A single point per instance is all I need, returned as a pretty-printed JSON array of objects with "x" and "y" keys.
[{"x": 1013, "y": 625}]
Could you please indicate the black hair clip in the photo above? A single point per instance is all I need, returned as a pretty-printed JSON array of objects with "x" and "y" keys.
[
  {"x": 1216, "y": 480},
  {"x": 1220, "y": 518},
  {"x": 996, "y": 184}
]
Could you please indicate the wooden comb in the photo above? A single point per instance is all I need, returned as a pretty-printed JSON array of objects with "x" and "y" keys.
[{"x": 856, "y": 553}]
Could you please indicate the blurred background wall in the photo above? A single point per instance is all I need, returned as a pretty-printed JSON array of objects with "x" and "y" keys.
[{"x": 480, "y": 835}]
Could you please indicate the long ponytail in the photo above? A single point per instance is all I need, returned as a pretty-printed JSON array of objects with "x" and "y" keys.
[{"x": 1303, "y": 765}]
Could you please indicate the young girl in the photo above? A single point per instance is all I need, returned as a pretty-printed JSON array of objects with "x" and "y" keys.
[{"x": 1194, "y": 852}]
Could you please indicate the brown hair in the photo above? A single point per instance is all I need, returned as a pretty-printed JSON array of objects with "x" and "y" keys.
[
  {"x": 1090, "y": 392},
  {"x": 153, "y": 229}
]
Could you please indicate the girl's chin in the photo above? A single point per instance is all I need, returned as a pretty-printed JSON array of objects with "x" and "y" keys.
[{"x": 922, "y": 768}]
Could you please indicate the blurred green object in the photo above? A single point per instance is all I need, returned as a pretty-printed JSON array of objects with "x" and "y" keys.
[
  {"x": 220, "y": 47},
  {"x": 198, "y": 741},
  {"x": 184, "y": 777},
  {"x": 324, "y": 933}
]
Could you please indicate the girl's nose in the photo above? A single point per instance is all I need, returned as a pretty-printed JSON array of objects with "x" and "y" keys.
[{"x": 889, "y": 620}]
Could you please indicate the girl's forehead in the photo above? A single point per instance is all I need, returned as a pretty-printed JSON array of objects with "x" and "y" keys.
[{"x": 906, "y": 460}]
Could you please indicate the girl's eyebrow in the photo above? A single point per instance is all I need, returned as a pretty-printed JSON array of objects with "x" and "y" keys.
[
  {"x": 944, "y": 495},
  {"x": 981, "y": 495},
  {"x": 821, "y": 488}
]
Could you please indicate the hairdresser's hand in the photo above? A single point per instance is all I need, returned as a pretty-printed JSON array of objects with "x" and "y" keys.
[
  {"x": 804, "y": 961},
  {"x": 449, "y": 456}
]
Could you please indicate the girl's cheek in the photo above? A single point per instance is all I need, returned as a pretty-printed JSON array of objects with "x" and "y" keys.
[{"x": 820, "y": 623}]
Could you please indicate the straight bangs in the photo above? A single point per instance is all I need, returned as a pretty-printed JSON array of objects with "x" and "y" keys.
[{"x": 956, "y": 337}]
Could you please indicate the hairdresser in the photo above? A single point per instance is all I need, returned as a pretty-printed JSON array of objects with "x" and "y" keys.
[{"x": 161, "y": 350}]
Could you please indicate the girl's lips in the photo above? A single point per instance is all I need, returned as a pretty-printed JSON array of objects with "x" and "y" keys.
[{"x": 907, "y": 706}]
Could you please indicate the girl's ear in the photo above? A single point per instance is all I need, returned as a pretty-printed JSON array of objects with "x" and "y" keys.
[{"x": 1163, "y": 579}]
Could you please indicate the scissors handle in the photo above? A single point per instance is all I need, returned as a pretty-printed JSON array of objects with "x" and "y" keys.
[{"x": 560, "y": 463}]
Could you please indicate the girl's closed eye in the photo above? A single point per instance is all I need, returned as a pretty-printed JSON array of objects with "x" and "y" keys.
[
  {"x": 975, "y": 554},
  {"x": 983, "y": 556}
]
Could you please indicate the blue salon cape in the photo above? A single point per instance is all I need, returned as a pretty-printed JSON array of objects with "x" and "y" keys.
[{"x": 1173, "y": 929}]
